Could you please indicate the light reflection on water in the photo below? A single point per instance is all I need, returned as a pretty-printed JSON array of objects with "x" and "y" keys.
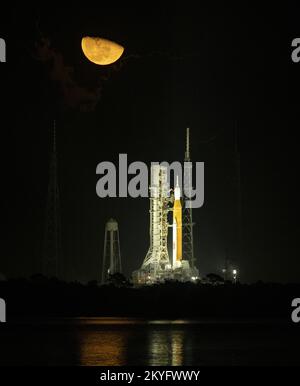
[
  {"x": 112, "y": 347},
  {"x": 166, "y": 348},
  {"x": 105, "y": 348},
  {"x": 126, "y": 341},
  {"x": 122, "y": 341}
]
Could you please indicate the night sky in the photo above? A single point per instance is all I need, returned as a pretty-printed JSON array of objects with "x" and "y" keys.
[{"x": 211, "y": 69}]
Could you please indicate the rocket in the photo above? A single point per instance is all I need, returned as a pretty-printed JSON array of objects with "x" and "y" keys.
[{"x": 177, "y": 227}]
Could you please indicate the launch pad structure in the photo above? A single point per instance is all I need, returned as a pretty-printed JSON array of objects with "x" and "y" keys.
[{"x": 157, "y": 266}]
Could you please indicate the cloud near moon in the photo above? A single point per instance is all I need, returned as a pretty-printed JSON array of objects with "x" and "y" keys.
[
  {"x": 101, "y": 51},
  {"x": 71, "y": 93}
]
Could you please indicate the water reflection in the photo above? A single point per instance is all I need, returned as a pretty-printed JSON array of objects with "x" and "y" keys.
[
  {"x": 123, "y": 341},
  {"x": 104, "y": 348},
  {"x": 165, "y": 348},
  {"x": 135, "y": 342}
]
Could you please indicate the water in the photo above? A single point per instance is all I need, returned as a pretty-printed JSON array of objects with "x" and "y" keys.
[{"x": 125, "y": 341}]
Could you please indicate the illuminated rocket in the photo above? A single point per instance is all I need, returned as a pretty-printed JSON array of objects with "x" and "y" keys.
[
  {"x": 177, "y": 227},
  {"x": 157, "y": 267}
]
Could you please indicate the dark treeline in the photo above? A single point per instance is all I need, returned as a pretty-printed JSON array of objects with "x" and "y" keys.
[{"x": 42, "y": 297}]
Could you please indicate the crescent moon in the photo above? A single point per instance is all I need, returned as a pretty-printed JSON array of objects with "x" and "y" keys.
[{"x": 101, "y": 51}]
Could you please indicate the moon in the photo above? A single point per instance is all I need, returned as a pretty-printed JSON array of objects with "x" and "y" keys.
[{"x": 101, "y": 51}]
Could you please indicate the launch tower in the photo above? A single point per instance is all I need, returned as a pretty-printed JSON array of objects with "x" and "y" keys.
[{"x": 156, "y": 265}]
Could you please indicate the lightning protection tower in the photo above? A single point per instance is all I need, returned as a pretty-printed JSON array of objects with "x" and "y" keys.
[
  {"x": 111, "y": 254},
  {"x": 187, "y": 222},
  {"x": 52, "y": 254}
]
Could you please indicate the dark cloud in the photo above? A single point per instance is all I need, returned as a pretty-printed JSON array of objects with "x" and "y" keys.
[{"x": 73, "y": 95}]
